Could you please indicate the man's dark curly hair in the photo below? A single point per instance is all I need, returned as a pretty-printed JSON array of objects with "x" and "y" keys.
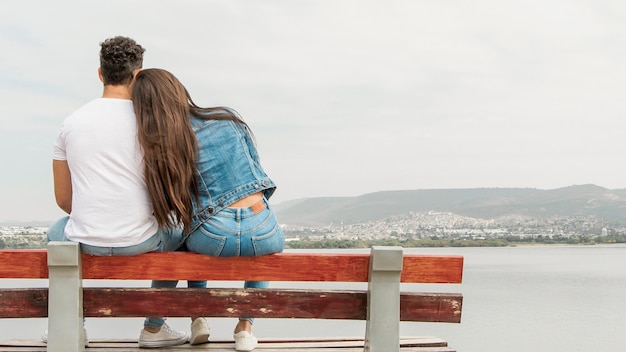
[{"x": 119, "y": 58}]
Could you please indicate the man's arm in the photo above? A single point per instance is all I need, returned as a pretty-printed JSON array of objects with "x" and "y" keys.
[{"x": 62, "y": 184}]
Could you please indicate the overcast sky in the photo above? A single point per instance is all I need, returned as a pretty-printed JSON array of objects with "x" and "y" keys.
[{"x": 344, "y": 97}]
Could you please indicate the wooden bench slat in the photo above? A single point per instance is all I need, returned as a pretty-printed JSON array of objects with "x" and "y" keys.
[
  {"x": 23, "y": 264},
  {"x": 23, "y": 303},
  {"x": 418, "y": 268},
  {"x": 431, "y": 307},
  {"x": 262, "y": 303},
  {"x": 275, "y": 267},
  {"x": 210, "y": 302},
  {"x": 192, "y": 266},
  {"x": 32, "y": 264}
]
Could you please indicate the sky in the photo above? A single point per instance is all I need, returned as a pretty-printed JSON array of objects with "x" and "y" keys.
[{"x": 344, "y": 97}]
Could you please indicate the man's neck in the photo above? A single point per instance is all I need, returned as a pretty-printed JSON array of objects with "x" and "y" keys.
[{"x": 116, "y": 91}]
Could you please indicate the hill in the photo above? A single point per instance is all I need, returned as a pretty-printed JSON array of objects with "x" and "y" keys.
[{"x": 484, "y": 203}]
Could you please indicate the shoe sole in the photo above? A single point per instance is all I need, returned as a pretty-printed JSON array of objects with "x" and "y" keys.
[
  {"x": 245, "y": 343},
  {"x": 199, "y": 339},
  {"x": 242, "y": 347},
  {"x": 246, "y": 349},
  {"x": 157, "y": 344}
]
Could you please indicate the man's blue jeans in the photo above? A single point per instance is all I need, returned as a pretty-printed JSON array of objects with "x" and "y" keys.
[{"x": 165, "y": 240}]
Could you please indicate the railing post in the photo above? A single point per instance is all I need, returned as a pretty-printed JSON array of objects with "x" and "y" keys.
[
  {"x": 65, "y": 298},
  {"x": 382, "y": 333}
]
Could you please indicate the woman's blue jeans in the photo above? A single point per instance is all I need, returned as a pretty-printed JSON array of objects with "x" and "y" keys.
[{"x": 233, "y": 232}]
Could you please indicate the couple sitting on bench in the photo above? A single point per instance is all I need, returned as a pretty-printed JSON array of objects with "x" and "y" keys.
[{"x": 145, "y": 169}]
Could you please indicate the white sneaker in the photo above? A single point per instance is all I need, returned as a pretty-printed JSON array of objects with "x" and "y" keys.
[
  {"x": 199, "y": 331},
  {"x": 165, "y": 337},
  {"x": 44, "y": 337},
  {"x": 245, "y": 341}
]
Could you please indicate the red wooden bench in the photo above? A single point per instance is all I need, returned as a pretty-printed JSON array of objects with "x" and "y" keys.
[{"x": 383, "y": 305}]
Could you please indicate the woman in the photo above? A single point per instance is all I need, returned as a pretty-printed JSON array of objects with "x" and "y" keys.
[{"x": 203, "y": 173}]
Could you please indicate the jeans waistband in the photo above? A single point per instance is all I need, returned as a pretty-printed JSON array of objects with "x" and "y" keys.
[{"x": 256, "y": 207}]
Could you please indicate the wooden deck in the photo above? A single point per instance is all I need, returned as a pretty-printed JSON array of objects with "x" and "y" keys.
[{"x": 407, "y": 344}]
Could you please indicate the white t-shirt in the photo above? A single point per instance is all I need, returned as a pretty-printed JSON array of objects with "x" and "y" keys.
[{"x": 110, "y": 202}]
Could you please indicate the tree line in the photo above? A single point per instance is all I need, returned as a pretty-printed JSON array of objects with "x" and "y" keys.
[
  {"x": 38, "y": 242},
  {"x": 450, "y": 242}
]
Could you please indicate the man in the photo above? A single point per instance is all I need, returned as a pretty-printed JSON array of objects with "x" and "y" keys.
[{"x": 99, "y": 180}]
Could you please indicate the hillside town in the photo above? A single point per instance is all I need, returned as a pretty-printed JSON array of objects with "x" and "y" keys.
[
  {"x": 413, "y": 226},
  {"x": 424, "y": 225},
  {"x": 18, "y": 236}
]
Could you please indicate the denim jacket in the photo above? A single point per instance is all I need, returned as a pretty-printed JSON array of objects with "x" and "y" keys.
[{"x": 227, "y": 167}]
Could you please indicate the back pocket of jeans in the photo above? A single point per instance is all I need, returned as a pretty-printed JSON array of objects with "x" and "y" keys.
[
  {"x": 206, "y": 243},
  {"x": 272, "y": 242}
]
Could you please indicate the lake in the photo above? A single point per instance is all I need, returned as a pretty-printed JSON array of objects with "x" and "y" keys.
[{"x": 516, "y": 299}]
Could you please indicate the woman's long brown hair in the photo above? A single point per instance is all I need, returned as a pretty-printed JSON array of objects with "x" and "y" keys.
[{"x": 162, "y": 106}]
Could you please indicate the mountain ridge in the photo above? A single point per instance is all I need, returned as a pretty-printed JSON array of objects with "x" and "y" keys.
[{"x": 585, "y": 200}]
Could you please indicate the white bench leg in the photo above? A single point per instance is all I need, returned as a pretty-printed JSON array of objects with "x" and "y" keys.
[
  {"x": 65, "y": 298},
  {"x": 382, "y": 332}
]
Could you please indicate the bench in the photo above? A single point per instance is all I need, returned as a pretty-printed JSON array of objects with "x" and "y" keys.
[{"x": 382, "y": 306}]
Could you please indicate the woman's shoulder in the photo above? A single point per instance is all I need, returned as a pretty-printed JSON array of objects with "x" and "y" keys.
[
  {"x": 215, "y": 113},
  {"x": 207, "y": 123}
]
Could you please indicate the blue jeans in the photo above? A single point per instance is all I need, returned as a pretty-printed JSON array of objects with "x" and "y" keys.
[
  {"x": 238, "y": 232},
  {"x": 233, "y": 232},
  {"x": 165, "y": 240}
]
